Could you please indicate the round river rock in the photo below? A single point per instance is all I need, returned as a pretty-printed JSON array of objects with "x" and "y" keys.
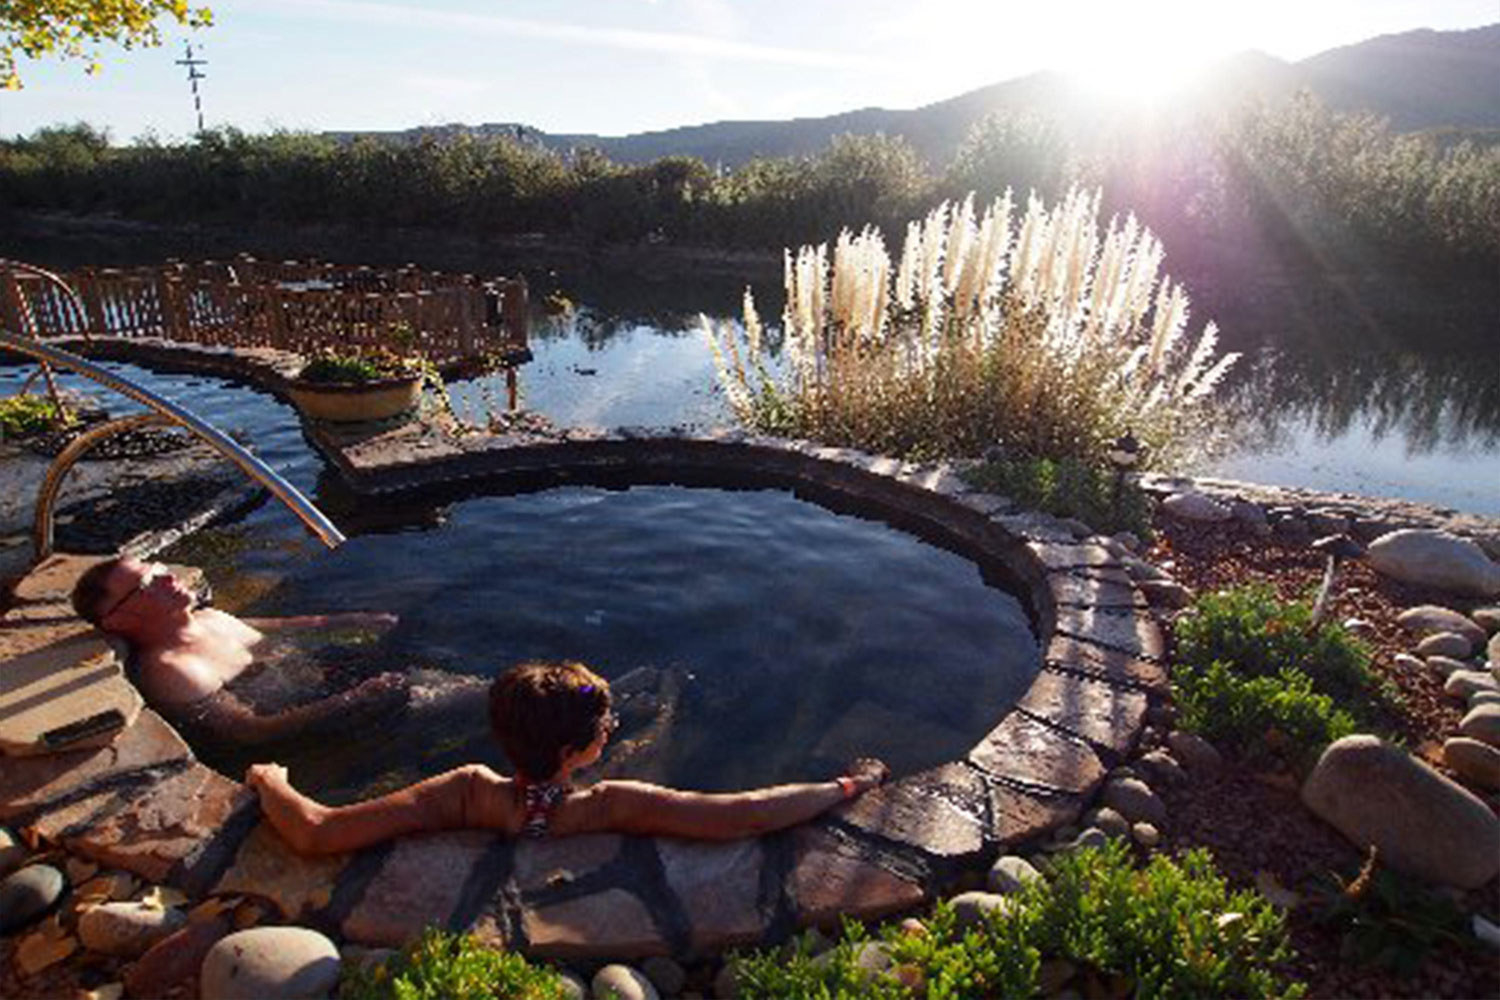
[
  {"x": 1435, "y": 559},
  {"x": 27, "y": 895},
  {"x": 1134, "y": 799},
  {"x": 12, "y": 851},
  {"x": 621, "y": 982},
  {"x": 1475, "y": 762},
  {"x": 127, "y": 929},
  {"x": 1195, "y": 507},
  {"x": 1425, "y": 619},
  {"x": 270, "y": 963},
  {"x": 1445, "y": 644},
  {"x": 1482, "y": 723},
  {"x": 1011, "y": 874}
]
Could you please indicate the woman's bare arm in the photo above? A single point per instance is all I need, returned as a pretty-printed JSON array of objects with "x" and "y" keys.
[
  {"x": 642, "y": 808},
  {"x": 466, "y": 797}
]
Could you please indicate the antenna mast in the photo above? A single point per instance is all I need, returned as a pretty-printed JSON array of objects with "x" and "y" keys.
[{"x": 193, "y": 77}]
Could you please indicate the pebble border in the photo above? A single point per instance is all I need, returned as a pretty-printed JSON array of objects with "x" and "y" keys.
[{"x": 145, "y": 804}]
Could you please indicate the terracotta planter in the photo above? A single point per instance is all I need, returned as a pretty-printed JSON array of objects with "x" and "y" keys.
[{"x": 351, "y": 402}]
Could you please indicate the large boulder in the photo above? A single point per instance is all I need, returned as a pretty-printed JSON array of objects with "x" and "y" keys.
[
  {"x": 1422, "y": 823},
  {"x": 1435, "y": 559}
]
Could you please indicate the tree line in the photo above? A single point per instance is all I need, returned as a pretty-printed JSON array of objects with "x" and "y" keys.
[{"x": 1294, "y": 177}]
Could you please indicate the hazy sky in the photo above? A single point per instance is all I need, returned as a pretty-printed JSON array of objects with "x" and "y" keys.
[{"x": 618, "y": 66}]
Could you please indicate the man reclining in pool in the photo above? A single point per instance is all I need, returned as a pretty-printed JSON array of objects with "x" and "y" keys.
[
  {"x": 552, "y": 719},
  {"x": 188, "y": 661}
]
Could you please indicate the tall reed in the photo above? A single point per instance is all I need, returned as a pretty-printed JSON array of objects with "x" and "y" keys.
[{"x": 1035, "y": 329}]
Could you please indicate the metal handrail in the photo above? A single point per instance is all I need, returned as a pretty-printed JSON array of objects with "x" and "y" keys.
[
  {"x": 46, "y": 498},
  {"x": 316, "y": 521}
]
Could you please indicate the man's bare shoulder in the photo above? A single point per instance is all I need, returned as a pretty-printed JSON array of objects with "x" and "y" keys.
[{"x": 177, "y": 676}]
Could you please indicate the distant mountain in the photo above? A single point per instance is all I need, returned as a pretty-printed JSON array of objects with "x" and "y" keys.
[{"x": 1419, "y": 80}]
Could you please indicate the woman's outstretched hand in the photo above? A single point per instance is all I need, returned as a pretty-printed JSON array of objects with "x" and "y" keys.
[
  {"x": 266, "y": 778},
  {"x": 867, "y": 773}
]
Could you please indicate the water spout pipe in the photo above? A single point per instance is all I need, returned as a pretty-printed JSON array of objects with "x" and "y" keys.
[{"x": 1335, "y": 548}]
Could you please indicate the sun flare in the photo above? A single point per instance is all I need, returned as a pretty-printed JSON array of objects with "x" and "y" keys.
[{"x": 1134, "y": 58}]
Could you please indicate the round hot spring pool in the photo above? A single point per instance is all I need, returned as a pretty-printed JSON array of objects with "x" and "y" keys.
[{"x": 751, "y": 637}]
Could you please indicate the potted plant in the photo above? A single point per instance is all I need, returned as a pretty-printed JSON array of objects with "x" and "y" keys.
[{"x": 367, "y": 384}]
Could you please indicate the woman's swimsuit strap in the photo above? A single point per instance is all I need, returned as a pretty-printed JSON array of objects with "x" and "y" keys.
[{"x": 539, "y": 799}]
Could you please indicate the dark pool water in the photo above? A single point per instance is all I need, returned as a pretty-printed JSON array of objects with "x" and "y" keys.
[{"x": 754, "y": 637}]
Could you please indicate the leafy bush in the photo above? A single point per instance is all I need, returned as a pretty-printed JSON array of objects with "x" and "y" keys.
[
  {"x": 1172, "y": 929},
  {"x": 443, "y": 966},
  {"x": 1034, "y": 331},
  {"x": 1068, "y": 488},
  {"x": 1344, "y": 179},
  {"x": 1252, "y": 672},
  {"x": 346, "y": 368},
  {"x": 1262, "y": 719},
  {"x": 24, "y": 415},
  {"x": 1259, "y": 635}
]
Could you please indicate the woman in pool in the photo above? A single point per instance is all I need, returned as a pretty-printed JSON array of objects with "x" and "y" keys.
[{"x": 551, "y": 719}]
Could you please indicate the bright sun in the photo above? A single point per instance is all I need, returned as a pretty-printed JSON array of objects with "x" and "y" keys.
[{"x": 1131, "y": 57}]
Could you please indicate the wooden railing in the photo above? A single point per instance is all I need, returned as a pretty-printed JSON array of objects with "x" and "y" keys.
[{"x": 297, "y": 306}]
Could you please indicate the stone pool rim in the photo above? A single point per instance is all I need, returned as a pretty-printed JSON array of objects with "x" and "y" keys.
[{"x": 158, "y": 811}]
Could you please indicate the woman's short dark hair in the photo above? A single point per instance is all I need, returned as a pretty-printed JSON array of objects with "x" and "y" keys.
[
  {"x": 541, "y": 711},
  {"x": 91, "y": 589}
]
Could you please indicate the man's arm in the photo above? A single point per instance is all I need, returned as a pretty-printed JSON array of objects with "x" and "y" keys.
[
  {"x": 237, "y": 720},
  {"x": 369, "y": 619}
]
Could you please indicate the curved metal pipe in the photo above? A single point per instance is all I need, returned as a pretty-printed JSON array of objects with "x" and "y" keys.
[
  {"x": 46, "y": 497},
  {"x": 316, "y": 521}
]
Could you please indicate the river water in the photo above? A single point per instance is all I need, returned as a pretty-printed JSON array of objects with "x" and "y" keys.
[{"x": 1352, "y": 399}]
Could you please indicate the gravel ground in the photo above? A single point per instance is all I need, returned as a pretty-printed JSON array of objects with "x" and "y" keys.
[{"x": 1255, "y": 823}]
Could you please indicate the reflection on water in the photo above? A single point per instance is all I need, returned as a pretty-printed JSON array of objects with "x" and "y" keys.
[
  {"x": 1416, "y": 426},
  {"x": 1428, "y": 404}
]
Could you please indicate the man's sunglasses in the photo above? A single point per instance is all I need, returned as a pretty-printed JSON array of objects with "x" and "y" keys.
[{"x": 152, "y": 574}]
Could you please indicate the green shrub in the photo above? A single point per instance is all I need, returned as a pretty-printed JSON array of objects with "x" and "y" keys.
[
  {"x": 1259, "y": 634},
  {"x": 24, "y": 415},
  {"x": 443, "y": 966},
  {"x": 1250, "y": 670},
  {"x": 364, "y": 366},
  {"x": 1067, "y": 488},
  {"x": 1265, "y": 720},
  {"x": 1171, "y": 929}
]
